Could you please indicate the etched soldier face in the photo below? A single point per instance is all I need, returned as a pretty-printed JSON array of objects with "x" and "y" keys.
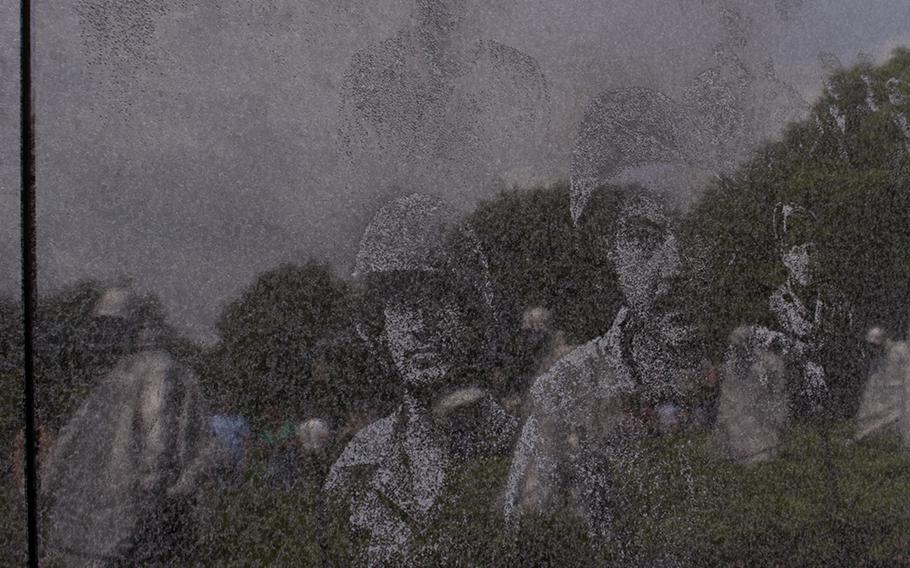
[
  {"x": 797, "y": 248},
  {"x": 425, "y": 332},
  {"x": 798, "y": 261},
  {"x": 645, "y": 254}
]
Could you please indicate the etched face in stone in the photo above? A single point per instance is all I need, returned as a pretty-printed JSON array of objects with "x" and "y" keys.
[
  {"x": 798, "y": 262},
  {"x": 424, "y": 331},
  {"x": 428, "y": 281},
  {"x": 645, "y": 254},
  {"x": 797, "y": 249}
]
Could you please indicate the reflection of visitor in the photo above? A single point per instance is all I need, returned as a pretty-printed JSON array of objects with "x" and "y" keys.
[
  {"x": 232, "y": 434},
  {"x": 283, "y": 455},
  {"x": 702, "y": 398},
  {"x": 434, "y": 101},
  {"x": 285, "y": 465},
  {"x": 583, "y": 407},
  {"x": 885, "y": 405},
  {"x": 428, "y": 308},
  {"x": 547, "y": 344},
  {"x": 121, "y": 478},
  {"x": 277, "y": 431},
  {"x": 754, "y": 406},
  {"x": 314, "y": 436},
  {"x": 669, "y": 417}
]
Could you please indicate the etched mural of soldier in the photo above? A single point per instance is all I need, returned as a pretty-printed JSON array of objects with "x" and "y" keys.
[
  {"x": 898, "y": 94},
  {"x": 435, "y": 103},
  {"x": 799, "y": 312},
  {"x": 120, "y": 479},
  {"x": 587, "y": 409},
  {"x": 428, "y": 304},
  {"x": 769, "y": 371},
  {"x": 641, "y": 135}
]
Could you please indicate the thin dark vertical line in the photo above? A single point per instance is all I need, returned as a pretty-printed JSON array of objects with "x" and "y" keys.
[{"x": 29, "y": 280}]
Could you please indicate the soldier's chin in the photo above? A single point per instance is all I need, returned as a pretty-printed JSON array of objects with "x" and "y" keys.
[
  {"x": 425, "y": 377},
  {"x": 640, "y": 303},
  {"x": 673, "y": 324},
  {"x": 803, "y": 279}
]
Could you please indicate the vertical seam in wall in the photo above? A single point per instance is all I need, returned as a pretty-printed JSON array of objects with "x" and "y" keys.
[{"x": 29, "y": 281}]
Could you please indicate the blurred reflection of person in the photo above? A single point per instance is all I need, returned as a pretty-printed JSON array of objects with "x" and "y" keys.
[
  {"x": 885, "y": 406},
  {"x": 428, "y": 308},
  {"x": 547, "y": 344},
  {"x": 233, "y": 436},
  {"x": 120, "y": 478}
]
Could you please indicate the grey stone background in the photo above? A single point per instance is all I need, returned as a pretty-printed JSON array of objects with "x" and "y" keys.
[{"x": 190, "y": 145}]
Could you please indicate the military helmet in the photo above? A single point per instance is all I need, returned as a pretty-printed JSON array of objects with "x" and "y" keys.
[{"x": 421, "y": 233}]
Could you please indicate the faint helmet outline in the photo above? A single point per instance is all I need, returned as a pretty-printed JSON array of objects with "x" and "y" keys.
[
  {"x": 415, "y": 232},
  {"x": 783, "y": 212},
  {"x": 622, "y": 128}
]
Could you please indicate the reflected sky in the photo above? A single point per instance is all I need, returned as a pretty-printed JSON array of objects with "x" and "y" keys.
[{"x": 192, "y": 145}]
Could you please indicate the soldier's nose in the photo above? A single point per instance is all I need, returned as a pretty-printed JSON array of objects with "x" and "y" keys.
[{"x": 670, "y": 258}]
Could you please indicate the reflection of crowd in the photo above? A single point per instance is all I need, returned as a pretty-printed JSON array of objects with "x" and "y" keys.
[{"x": 121, "y": 481}]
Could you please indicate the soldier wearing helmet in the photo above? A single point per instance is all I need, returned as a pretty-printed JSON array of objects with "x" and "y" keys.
[
  {"x": 588, "y": 407},
  {"x": 426, "y": 313},
  {"x": 772, "y": 372}
]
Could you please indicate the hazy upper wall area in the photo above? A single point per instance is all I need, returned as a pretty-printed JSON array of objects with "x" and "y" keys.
[{"x": 193, "y": 144}]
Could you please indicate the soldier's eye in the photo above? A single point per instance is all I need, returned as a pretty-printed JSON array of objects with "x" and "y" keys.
[{"x": 644, "y": 236}]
